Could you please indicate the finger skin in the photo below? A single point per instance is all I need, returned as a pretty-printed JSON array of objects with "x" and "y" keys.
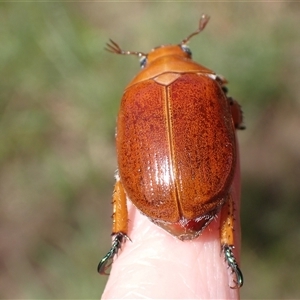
[{"x": 156, "y": 265}]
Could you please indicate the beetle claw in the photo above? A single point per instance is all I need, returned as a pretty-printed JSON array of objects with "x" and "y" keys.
[
  {"x": 106, "y": 262},
  {"x": 230, "y": 259}
]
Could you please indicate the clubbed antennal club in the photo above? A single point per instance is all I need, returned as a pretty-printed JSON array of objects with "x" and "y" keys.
[
  {"x": 113, "y": 47},
  {"x": 202, "y": 23}
]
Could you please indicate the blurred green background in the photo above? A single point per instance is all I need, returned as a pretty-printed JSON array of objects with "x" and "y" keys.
[{"x": 59, "y": 97}]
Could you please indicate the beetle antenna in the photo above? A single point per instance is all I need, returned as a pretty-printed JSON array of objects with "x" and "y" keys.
[
  {"x": 202, "y": 23},
  {"x": 113, "y": 47}
]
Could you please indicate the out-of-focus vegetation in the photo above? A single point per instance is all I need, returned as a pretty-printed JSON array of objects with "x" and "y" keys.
[{"x": 59, "y": 97}]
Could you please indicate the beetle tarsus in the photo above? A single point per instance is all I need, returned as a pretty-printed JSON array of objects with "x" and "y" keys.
[
  {"x": 106, "y": 262},
  {"x": 230, "y": 259}
]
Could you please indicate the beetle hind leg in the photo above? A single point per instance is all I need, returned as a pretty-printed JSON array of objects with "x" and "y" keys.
[
  {"x": 120, "y": 220},
  {"x": 227, "y": 240}
]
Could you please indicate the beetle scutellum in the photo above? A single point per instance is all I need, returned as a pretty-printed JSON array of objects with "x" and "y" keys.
[{"x": 176, "y": 148}]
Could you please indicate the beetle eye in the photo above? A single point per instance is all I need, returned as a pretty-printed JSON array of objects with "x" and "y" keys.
[
  {"x": 143, "y": 61},
  {"x": 186, "y": 49}
]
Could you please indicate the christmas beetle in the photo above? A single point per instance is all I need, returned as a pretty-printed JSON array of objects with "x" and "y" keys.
[{"x": 176, "y": 148}]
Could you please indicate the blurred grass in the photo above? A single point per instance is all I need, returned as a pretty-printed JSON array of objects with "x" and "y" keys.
[{"x": 59, "y": 96}]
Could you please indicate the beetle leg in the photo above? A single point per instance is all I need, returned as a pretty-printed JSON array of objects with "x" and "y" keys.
[
  {"x": 236, "y": 110},
  {"x": 237, "y": 113},
  {"x": 227, "y": 240},
  {"x": 120, "y": 214},
  {"x": 120, "y": 220}
]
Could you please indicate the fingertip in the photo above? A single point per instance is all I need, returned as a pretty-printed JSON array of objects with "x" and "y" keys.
[{"x": 158, "y": 265}]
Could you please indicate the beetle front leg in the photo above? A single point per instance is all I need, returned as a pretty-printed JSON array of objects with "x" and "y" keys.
[
  {"x": 120, "y": 227},
  {"x": 227, "y": 239}
]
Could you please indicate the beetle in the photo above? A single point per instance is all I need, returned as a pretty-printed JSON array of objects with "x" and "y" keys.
[{"x": 176, "y": 148}]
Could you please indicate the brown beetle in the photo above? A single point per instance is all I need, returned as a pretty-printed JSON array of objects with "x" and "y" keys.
[{"x": 176, "y": 148}]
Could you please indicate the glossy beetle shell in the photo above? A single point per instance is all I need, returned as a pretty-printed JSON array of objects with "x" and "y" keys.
[{"x": 176, "y": 142}]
